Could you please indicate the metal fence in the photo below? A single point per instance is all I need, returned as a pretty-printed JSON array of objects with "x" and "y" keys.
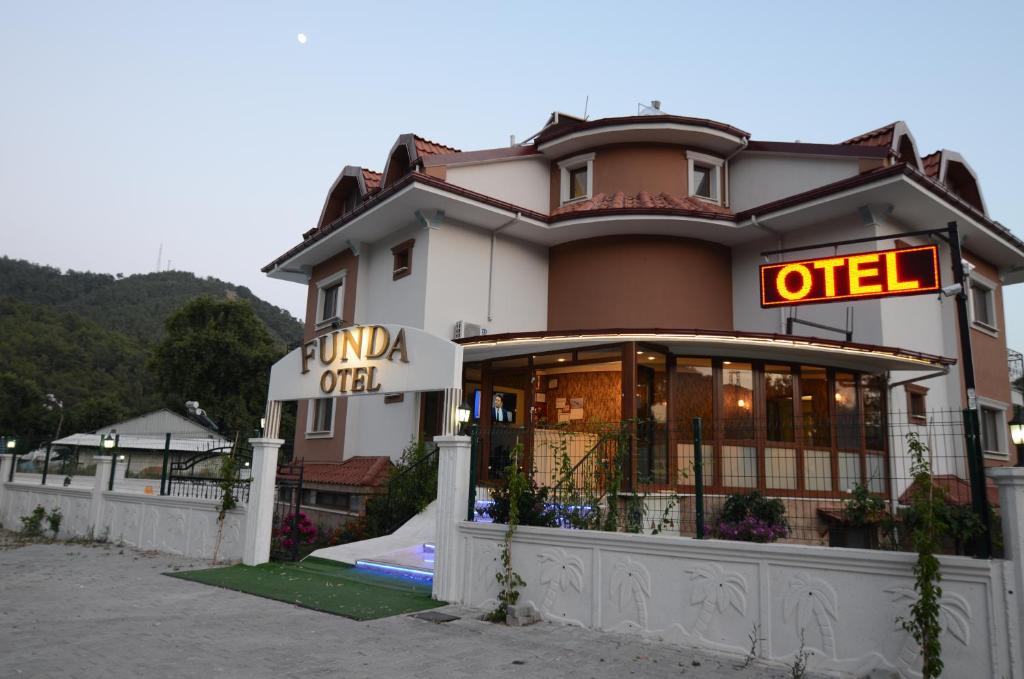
[
  {"x": 822, "y": 481},
  {"x": 163, "y": 464}
]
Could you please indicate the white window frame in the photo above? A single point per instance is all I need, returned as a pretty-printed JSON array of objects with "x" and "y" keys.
[
  {"x": 338, "y": 279},
  {"x": 573, "y": 163},
  {"x": 310, "y": 418},
  {"x": 978, "y": 281},
  {"x": 714, "y": 164},
  {"x": 1002, "y": 432}
]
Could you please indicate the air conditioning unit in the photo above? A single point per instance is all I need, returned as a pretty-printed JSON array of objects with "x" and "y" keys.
[{"x": 465, "y": 329}]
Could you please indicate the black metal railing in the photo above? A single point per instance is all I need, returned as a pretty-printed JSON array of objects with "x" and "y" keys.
[{"x": 202, "y": 475}]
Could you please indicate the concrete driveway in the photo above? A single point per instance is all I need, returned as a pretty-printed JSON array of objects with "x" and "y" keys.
[{"x": 76, "y": 610}]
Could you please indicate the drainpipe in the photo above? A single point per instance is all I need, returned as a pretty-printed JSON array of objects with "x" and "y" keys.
[
  {"x": 778, "y": 238},
  {"x": 490, "y": 272},
  {"x": 726, "y": 163}
]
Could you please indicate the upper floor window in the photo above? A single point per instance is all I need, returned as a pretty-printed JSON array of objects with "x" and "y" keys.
[
  {"x": 983, "y": 303},
  {"x": 321, "y": 417},
  {"x": 705, "y": 173},
  {"x": 577, "y": 178},
  {"x": 992, "y": 418},
  {"x": 330, "y": 297},
  {"x": 402, "y": 264}
]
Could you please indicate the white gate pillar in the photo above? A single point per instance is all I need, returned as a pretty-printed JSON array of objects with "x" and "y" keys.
[
  {"x": 452, "y": 507},
  {"x": 6, "y": 460},
  {"x": 259, "y": 511},
  {"x": 1010, "y": 481}
]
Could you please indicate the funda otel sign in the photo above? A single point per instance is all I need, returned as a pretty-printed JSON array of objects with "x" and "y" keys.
[{"x": 866, "y": 275}]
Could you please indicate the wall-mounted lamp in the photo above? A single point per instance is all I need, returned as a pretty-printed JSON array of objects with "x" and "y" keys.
[
  {"x": 1017, "y": 433},
  {"x": 107, "y": 441}
]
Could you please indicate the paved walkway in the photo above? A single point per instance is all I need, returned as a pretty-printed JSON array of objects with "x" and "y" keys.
[{"x": 83, "y": 611}]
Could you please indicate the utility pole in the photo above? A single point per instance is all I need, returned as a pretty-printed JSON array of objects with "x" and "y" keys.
[{"x": 975, "y": 463}]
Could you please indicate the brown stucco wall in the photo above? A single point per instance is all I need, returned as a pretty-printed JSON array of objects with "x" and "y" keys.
[
  {"x": 990, "y": 371},
  {"x": 631, "y": 168},
  {"x": 639, "y": 282},
  {"x": 326, "y": 449}
]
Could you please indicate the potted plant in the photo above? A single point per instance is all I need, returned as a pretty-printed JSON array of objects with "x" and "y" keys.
[{"x": 863, "y": 512}]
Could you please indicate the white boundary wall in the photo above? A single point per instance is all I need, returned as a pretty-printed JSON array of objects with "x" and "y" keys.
[
  {"x": 176, "y": 525},
  {"x": 716, "y": 593}
]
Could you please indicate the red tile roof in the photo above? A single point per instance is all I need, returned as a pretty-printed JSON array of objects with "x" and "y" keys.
[
  {"x": 958, "y": 490},
  {"x": 425, "y": 147},
  {"x": 880, "y": 137},
  {"x": 932, "y": 164},
  {"x": 642, "y": 201},
  {"x": 372, "y": 180},
  {"x": 356, "y": 471}
]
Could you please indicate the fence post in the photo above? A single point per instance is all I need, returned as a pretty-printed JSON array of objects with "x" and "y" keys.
[
  {"x": 46, "y": 462},
  {"x": 99, "y": 484},
  {"x": 453, "y": 473},
  {"x": 163, "y": 472},
  {"x": 259, "y": 511},
  {"x": 471, "y": 502},
  {"x": 698, "y": 477},
  {"x": 1010, "y": 481},
  {"x": 6, "y": 460}
]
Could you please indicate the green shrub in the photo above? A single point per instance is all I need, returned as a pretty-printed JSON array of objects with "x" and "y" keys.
[
  {"x": 32, "y": 524},
  {"x": 532, "y": 501},
  {"x": 412, "y": 485}
]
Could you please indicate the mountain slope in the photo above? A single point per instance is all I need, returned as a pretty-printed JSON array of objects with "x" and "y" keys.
[{"x": 135, "y": 305}]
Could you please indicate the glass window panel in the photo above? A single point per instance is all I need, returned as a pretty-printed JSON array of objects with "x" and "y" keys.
[
  {"x": 814, "y": 408},
  {"x": 330, "y": 307},
  {"x": 847, "y": 411},
  {"x": 578, "y": 182},
  {"x": 738, "y": 400},
  {"x": 694, "y": 390},
  {"x": 874, "y": 431},
  {"x": 739, "y": 466},
  {"x": 780, "y": 467},
  {"x": 684, "y": 460},
  {"x": 876, "y": 473},
  {"x": 849, "y": 470},
  {"x": 980, "y": 298},
  {"x": 818, "y": 470},
  {"x": 702, "y": 181},
  {"x": 778, "y": 395},
  {"x": 990, "y": 429}
]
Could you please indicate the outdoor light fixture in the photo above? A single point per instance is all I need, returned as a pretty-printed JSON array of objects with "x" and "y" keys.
[
  {"x": 107, "y": 441},
  {"x": 11, "y": 444},
  {"x": 463, "y": 412},
  {"x": 1017, "y": 433}
]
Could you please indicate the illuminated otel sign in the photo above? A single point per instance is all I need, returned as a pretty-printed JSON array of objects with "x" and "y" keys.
[
  {"x": 354, "y": 349},
  {"x": 883, "y": 273}
]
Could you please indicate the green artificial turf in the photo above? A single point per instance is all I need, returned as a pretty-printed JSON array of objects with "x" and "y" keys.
[{"x": 322, "y": 585}]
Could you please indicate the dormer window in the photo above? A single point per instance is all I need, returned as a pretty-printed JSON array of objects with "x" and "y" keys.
[
  {"x": 402, "y": 262},
  {"x": 577, "y": 178},
  {"x": 705, "y": 176}
]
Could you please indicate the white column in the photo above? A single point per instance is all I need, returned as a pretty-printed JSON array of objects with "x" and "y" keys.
[
  {"x": 259, "y": 511},
  {"x": 100, "y": 483},
  {"x": 1010, "y": 481},
  {"x": 6, "y": 461},
  {"x": 452, "y": 507}
]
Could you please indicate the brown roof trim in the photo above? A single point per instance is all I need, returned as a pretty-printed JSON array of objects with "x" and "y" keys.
[
  {"x": 618, "y": 211},
  {"x": 845, "y": 149},
  {"x": 897, "y": 169},
  {"x": 557, "y": 131},
  {"x": 583, "y": 334},
  {"x": 387, "y": 192},
  {"x": 479, "y": 156}
]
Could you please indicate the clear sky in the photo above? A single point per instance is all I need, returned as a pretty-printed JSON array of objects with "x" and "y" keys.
[{"x": 209, "y": 128}]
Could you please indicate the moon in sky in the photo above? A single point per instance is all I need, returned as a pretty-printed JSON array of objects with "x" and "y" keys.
[{"x": 301, "y": 37}]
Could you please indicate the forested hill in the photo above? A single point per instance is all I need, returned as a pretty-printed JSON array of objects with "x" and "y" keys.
[{"x": 134, "y": 305}]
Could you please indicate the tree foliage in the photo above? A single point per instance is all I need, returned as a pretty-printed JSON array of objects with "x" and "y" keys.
[{"x": 219, "y": 353}]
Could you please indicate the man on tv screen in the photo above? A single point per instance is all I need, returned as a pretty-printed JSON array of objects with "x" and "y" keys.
[{"x": 498, "y": 413}]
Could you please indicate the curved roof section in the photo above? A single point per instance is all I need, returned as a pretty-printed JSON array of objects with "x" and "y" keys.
[
  {"x": 895, "y": 137},
  {"x": 642, "y": 202},
  {"x": 365, "y": 182},
  {"x": 713, "y": 342},
  {"x": 951, "y": 170},
  {"x": 572, "y": 136}
]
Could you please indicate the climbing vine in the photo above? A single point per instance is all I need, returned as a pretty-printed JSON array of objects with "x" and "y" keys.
[
  {"x": 508, "y": 580},
  {"x": 923, "y": 624}
]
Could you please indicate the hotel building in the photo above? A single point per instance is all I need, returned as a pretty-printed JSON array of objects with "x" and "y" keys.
[{"x": 608, "y": 270}]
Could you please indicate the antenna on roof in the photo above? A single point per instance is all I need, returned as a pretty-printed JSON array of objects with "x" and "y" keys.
[
  {"x": 653, "y": 110},
  {"x": 159, "y": 257},
  {"x": 586, "y": 105}
]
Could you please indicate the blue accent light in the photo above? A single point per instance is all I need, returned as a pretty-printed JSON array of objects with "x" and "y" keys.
[{"x": 402, "y": 571}]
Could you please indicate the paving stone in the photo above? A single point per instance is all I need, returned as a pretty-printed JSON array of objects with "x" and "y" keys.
[{"x": 106, "y": 612}]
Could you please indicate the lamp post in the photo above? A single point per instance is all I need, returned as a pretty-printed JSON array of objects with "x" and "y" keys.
[
  {"x": 1017, "y": 433},
  {"x": 9, "y": 444}
]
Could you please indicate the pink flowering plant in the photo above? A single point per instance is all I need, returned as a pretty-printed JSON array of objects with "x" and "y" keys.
[
  {"x": 307, "y": 532},
  {"x": 751, "y": 517}
]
